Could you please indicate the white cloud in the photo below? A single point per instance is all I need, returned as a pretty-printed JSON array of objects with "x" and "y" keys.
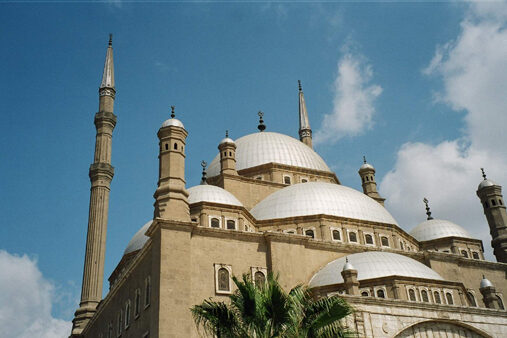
[
  {"x": 26, "y": 299},
  {"x": 353, "y": 108},
  {"x": 473, "y": 69}
]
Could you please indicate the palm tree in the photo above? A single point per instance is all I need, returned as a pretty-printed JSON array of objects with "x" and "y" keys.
[{"x": 265, "y": 311}]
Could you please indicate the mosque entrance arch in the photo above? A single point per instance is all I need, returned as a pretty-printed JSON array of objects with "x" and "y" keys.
[{"x": 439, "y": 329}]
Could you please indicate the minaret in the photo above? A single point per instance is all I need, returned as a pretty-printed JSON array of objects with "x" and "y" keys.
[
  {"x": 349, "y": 274},
  {"x": 488, "y": 292},
  {"x": 171, "y": 197},
  {"x": 227, "y": 148},
  {"x": 305, "y": 132},
  {"x": 494, "y": 208},
  {"x": 101, "y": 173},
  {"x": 367, "y": 173}
]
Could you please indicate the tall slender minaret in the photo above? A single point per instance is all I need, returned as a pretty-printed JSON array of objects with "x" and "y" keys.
[
  {"x": 101, "y": 173},
  {"x": 305, "y": 132},
  {"x": 492, "y": 201}
]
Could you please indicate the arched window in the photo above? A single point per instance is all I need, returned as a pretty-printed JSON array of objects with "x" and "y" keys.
[
  {"x": 231, "y": 225},
  {"x": 127, "y": 313},
  {"x": 176, "y": 146},
  {"x": 384, "y": 240},
  {"x": 424, "y": 296},
  {"x": 310, "y": 233},
  {"x": 304, "y": 180},
  {"x": 500, "y": 202},
  {"x": 147, "y": 291},
  {"x": 411, "y": 295},
  {"x": 436, "y": 295},
  {"x": 230, "y": 153},
  {"x": 362, "y": 179},
  {"x": 336, "y": 235},
  {"x": 259, "y": 278},
  {"x": 381, "y": 294},
  {"x": 448, "y": 296},
  {"x": 401, "y": 245},
  {"x": 353, "y": 237},
  {"x": 475, "y": 255},
  {"x": 364, "y": 294},
  {"x": 120, "y": 322},
  {"x": 368, "y": 239},
  {"x": 471, "y": 299},
  {"x": 500, "y": 302},
  {"x": 215, "y": 222},
  {"x": 223, "y": 279},
  {"x": 486, "y": 205},
  {"x": 367, "y": 179},
  {"x": 137, "y": 303},
  {"x": 493, "y": 202},
  {"x": 286, "y": 179},
  {"x": 110, "y": 331},
  {"x": 464, "y": 253},
  {"x": 166, "y": 146}
]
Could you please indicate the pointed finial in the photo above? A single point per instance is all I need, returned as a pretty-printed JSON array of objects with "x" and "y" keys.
[
  {"x": 261, "y": 125},
  {"x": 110, "y": 39},
  {"x": 299, "y": 84},
  {"x": 364, "y": 159},
  {"x": 173, "y": 115},
  {"x": 483, "y": 173},
  {"x": 226, "y": 133},
  {"x": 428, "y": 212},
  {"x": 204, "y": 178}
]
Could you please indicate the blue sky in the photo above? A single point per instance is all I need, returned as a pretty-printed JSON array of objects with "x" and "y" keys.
[{"x": 416, "y": 87}]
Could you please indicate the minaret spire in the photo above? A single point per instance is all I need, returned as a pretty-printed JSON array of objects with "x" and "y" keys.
[
  {"x": 305, "y": 131},
  {"x": 101, "y": 174}
]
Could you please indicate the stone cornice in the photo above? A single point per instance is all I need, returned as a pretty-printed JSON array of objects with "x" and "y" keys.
[
  {"x": 104, "y": 116},
  {"x": 389, "y": 302}
]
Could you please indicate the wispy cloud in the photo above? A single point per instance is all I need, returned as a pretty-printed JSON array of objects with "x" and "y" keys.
[
  {"x": 26, "y": 299},
  {"x": 353, "y": 103},
  {"x": 473, "y": 69}
]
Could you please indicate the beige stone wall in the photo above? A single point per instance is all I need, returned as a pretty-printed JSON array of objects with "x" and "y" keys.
[
  {"x": 390, "y": 317},
  {"x": 470, "y": 272},
  {"x": 109, "y": 308}
]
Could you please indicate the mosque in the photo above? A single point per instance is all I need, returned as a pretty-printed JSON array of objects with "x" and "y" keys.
[{"x": 268, "y": 202}]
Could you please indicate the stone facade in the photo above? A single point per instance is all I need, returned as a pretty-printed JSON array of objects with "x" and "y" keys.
[{"x": 191, "y": 250}]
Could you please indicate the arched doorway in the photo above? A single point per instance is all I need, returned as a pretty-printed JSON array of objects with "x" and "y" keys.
[{"x": 440, "y": 329}]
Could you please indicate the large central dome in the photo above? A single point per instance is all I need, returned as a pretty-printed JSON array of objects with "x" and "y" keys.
[
  {"x": 314, "y": 198},
  {"x": 266, "y": 147}
]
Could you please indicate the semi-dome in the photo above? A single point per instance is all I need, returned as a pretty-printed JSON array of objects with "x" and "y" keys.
[
  {"x": 137, "y": 242},
  {"x": 266, "y": 147},
  {"x": 438, "y": 228},
  {"x": 211, "y": 193},
  {"x": 313, "y": 198},
  {"x": 373, "y": 264},
  {"x": 173, "y": 122}
]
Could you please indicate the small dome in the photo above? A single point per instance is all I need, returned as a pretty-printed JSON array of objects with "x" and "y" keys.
[
  {"x": 173, "y": 122},
  {"x": 227, "y": 140},
  {"x": 138, "y": 240},
  {"x": 314, "y": 198},
  {"x": 348, "y": 266},
  {"x": 366, "y": 166},
  {"x": 485, "y": 183},
  {"x": 373, "y": 264},
  {"x": 213, "y": 194},
  {"x": 266, "y": 147},
  {"x": 438, "y": 228},
  {"x": 485, "y": 283}
]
